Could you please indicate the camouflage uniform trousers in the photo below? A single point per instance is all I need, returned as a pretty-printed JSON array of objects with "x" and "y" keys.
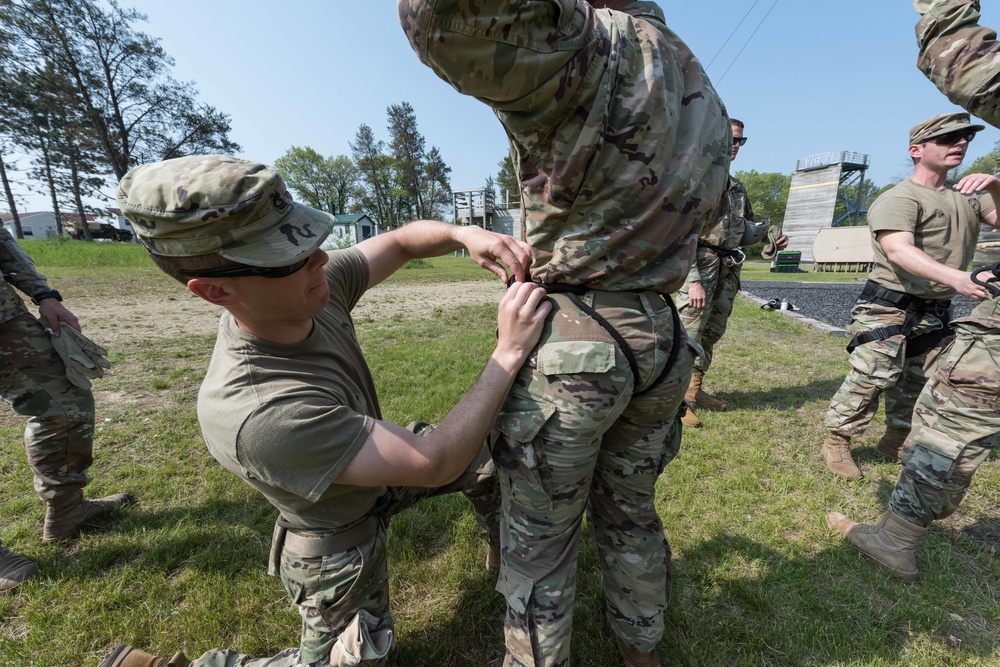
[
  {"x": 577, "y": 438},
  {"x": 706, "y": 326},
  {"x": 879, "y": 367},
  {"x": 956, "y": 421},
  {"x": 343, "y": 598},
  {"x": 59, "y": 436}
]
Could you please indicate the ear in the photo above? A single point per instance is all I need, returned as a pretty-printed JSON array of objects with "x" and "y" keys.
[
  {"x": 916, "y": 151},
  {"x": 216, "y": 291}
]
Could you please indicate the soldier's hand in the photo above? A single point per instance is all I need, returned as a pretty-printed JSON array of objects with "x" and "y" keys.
[
  {"x": 696, "y": 295},
  {"x": 520, "y": 321},
  {"x": 781, "y": 243},
  {"x": 490, "y": 248},
  {"x": 977, "y": 182},
  {"x": 970, "y": 289},
  {"x": 53, "y": 312}
]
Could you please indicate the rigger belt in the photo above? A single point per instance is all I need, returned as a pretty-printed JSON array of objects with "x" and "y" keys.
[
  {"x": 914, "y": 308},
  {"x": 319, "y": 544},
  {"x": 736, "y": 255},
  {"x": 574, "y": 292}
]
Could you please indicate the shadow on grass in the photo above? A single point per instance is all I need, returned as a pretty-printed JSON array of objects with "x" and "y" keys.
[
  {"x": 782, "y": 397},
  {"x": 739, "y": 602}
]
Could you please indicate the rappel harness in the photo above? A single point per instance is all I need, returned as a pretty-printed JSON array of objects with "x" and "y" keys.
[
  {"x": 914, "y": 308},
  {"x": 574, "y": 292},
  {"x": 736, "y": 255}
]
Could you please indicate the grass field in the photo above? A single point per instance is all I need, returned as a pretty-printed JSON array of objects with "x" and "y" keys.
[{"x": 757, "y": 578}]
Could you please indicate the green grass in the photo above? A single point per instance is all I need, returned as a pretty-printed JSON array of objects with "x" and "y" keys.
[
  {"x": 757, "y": 578},
  {"x": 762, "y": 271}
]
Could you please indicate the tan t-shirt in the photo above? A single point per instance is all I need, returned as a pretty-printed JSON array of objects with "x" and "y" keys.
[
  {"x": 945, "y": 225},
  {"x": 289, "y": 418}
]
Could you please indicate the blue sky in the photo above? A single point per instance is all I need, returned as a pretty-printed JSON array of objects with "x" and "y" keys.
[{"x": 816, "y": 77}]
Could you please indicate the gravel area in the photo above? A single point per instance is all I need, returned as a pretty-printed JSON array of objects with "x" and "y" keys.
[{"x": 827, "y": 302}]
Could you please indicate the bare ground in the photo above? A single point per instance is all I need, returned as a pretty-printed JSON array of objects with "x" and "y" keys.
[{"x": 109, "y": 320}]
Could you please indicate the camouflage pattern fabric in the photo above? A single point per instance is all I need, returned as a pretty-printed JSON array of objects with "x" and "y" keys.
[
  {"x": 881, "y": 366},
  {"x": 959, "y": 56},
  {"x": 20, "y": 272},
  {"x": 204, "y": 204},
  {"x": 622, "y": 149},
  {"x": 621, "y": 143},
  {"x": 577, "y": 439},
  {"x": 718, "y": 276},
  {"x": 346, "y": 594},
  {"x": 59, "y": 435},
  {"x": 956, "y": 421}
]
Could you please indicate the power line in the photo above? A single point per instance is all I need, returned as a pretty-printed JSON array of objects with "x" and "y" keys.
[
  {"x": 731, "y": 35},
  {"x": 747, "y": 42}
]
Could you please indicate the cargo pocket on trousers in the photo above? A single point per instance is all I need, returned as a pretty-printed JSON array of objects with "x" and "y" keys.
[
  {"x": 516, "y": 589},
  {"x": 880, "y": 359},
  {"x": 524, "y": 463},
  {"x": 363, "y": 639},
  {"x": 932, "y": 460}
]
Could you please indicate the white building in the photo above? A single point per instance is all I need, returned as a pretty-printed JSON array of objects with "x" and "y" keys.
[{"x": 349, "y": 230}]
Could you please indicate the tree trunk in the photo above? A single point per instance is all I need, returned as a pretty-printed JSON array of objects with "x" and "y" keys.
[
  {"x": 18, "y": 232},
  {"x": 75, "y": 174},
  {"x": 52, "y": 188}
]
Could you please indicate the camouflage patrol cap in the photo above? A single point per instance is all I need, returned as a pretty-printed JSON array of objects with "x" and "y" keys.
[
  {"x": 207, "y": 204},
  {"x": 945, "y": 123}
]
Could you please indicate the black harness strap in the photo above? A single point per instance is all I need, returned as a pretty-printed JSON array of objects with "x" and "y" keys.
[{"x": 914, "y": 309}]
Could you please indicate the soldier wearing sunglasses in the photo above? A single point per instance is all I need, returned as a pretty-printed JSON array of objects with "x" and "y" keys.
[
  {"x": 705, "y": 302},
  {"x": 924, "y": 233}
]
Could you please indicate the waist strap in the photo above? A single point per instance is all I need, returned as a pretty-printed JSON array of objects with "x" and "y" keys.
[
  {"x": 736, "y": 254},
  {"x": 914, "y": 308},
  {"x": 315, "y": 545}
]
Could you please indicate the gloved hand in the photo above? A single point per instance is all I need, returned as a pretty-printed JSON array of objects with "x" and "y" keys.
[
  {"x": 771, "y": 247},
  {"x": 84, "y": 359}
]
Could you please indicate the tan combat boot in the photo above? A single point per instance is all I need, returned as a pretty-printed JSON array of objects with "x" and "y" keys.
[
  {"x": 700, "y": 397},
  {"x": 837, "y": 456},
  {"x": 891, "y": 443},
  {"x": 634, "y": 658},
  {"x": 126, "y": 656},
  {"x": 689, "y": 418},
  {"x": 890, "y": 542},
  {"x": 66, "y": 514},
  {"x": 14, "y": 569}
]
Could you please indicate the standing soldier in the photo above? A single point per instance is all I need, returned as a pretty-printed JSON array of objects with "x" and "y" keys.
[
  {"x": 621, "y": 146},
  {"x": 59, "y": 436},
  {"x": 959, "y": 56},
  {"x": 924, "y": 232},
  {"x": 957, "y": 415},
  {"x": 705, "y": 302}
]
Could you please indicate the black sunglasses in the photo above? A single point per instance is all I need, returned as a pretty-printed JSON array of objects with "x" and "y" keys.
[
  {"x": 739, "y": 140},
  {"x": 242, "y": 270},
  {"x": 953, "y": 138}
]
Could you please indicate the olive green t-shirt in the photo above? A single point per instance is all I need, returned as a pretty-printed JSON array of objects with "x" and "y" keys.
[
  {"x": 289, "y": 418},
  {"x": 945, "y": 225}
]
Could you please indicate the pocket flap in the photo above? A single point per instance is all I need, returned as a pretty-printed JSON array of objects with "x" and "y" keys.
[
  {"x": 575, "y": 356},
  {"x": 516, "y": 588}
]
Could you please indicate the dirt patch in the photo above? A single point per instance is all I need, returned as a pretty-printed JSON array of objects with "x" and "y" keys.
[{"x": 112, "y": 320}]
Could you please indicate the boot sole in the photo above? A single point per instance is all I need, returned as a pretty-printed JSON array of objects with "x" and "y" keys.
[
  {"x": 116, "y": 656},
  {"x": 908, "y": 577}
]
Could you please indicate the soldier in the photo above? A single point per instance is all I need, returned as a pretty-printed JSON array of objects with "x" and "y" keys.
[
  {"x": 59, "y": 436},
  {"x": 924, "y": 232},
  {"x": 957, "y": 415},
  {"x": 621, "y": 146},
  {"x": 957, "y": 425},
  {"x": 288, "y": 402},
  {"x": 959, "y": 56},
  {"x": 705, "y": 302}
]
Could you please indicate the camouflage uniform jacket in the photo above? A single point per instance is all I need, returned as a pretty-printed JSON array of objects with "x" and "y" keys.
[
  {"x": 960, "y": 57},
  {"x": 621, "y": 142},
  {"x": 20, "y": 272},
  {"x": 727, "y": 232}
]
